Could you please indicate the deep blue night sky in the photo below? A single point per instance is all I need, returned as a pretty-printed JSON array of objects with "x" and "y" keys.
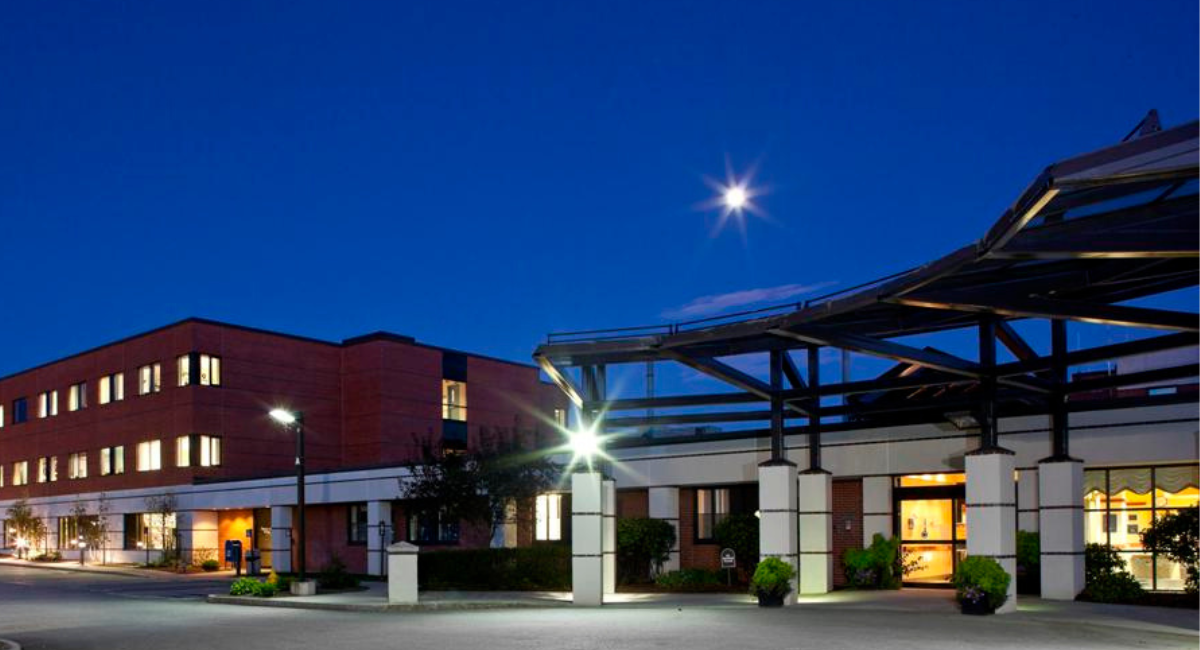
[{"x": 477, "y": 175}]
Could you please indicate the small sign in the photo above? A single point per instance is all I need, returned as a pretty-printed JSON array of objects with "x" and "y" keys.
[{"x": 728, "y": 558}]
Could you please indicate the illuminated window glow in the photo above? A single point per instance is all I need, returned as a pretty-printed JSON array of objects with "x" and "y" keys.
[
  {"x": 149, "y": 456},
  {"x": 112, "y": 388},
  {"x": 149, "y": 379},
  {"x": 20, "y": 473},
  {"x": 454, "y": 400},
  {"x": 77, "y": 466},
  {"x": 548, "y": 525},
  {"x": 112, "y": 460}
]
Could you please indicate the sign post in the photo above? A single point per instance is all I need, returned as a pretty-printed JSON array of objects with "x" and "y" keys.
[{"x": 728, "y": 562}]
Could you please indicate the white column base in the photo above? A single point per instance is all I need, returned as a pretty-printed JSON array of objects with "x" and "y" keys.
[
  {"x": 281, "y": 539},
  {"x": 815, "y": 518},
  {"x": 1027, "y": 500},
  {"x": 664, "y": 504},
  {"x": 608, "y": 529},
  {"x": 1060, "y": 503},
  {"x": 877, "y": 508},
  {"x": 402, "y": 573},
  {"x": 777, "y": 522},
  {"x": 992, "y": 514},
  {"x": 587, "y": 563},
  {"x": 379, "y": 536}
]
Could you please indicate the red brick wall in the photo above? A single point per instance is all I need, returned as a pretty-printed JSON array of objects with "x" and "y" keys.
[
  {"x": 847, "y": 510},
  {"x": 633, "y": 503},
  {"x": 693, "y": 555}
]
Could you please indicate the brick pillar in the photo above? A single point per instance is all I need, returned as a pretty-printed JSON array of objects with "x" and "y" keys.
[{"x": 281, "y": 538}]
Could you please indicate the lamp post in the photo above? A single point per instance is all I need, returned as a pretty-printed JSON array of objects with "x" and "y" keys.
[{"x": 294, "y": 421}]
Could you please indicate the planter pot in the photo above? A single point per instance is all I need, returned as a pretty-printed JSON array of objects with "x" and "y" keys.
[
  {"x": 770, "y": 600},
  {"x": 981, "y": 608}
]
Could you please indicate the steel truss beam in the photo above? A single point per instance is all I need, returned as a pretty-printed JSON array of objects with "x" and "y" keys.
[{"x": 1031, "y": 307}]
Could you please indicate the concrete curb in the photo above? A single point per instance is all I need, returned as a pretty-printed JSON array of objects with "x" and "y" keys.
[
  {"x": 131, "y": 573},
  {"x": 431, "y": 606}
]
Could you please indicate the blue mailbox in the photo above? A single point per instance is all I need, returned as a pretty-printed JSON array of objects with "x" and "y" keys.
[{"x": 233, "y": 551}]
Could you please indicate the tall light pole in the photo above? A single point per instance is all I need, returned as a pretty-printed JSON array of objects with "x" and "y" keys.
[{"x": 294, "y": 421}]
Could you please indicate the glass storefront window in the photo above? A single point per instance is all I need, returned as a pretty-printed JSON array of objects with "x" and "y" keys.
[
  {"x": 923, "y": 519},
  {"x": 1120, "y": 504}
]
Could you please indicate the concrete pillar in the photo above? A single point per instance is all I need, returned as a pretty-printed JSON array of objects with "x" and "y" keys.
[
  {"x": 281, "y": 538},
  {"x": 402, "y": 573},
  {"x": 1060, "y": 496},
  {"x": 1027, "y": 500},
  {"x": 877, "y": 508},
  {"x": 992, "y": 513},
  {"x": 197, "y": 531},
  {"x": 664, "y": 504},
  {"x": 587, "y": 564},
  {"x": 608, "y": 529},
  {"x": 379, "y": 535},
  {"x": 815, "y": 517},
  {"x": 777, "y": 524}
]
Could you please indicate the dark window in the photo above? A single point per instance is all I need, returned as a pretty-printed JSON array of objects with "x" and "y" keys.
[
  {"x": 20, "y": 410},
  {"x": 454, "y": 435},
  {"x": 714, "y": 505},
  {"x": 454, "y": 366},
  {"x": 356, "y": 528},
  {"x": 431, "y": 527}
]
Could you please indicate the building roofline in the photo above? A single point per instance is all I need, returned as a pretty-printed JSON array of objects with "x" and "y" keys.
[{"x": 365, "y": 338}]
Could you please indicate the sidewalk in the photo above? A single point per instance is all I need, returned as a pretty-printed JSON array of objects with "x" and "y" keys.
[
  {"x": 374, "y": 599},
  {"x": 112, "y": 569}
]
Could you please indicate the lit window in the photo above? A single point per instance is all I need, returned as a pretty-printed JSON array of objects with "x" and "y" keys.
[
  {"x": 1, "y": 416},
  {"x": 183, "y": 448},
  {"x": 149, "y": 379},
  {"x": 184, "y": 364},
  {"x": 112, "y": 388},
  {"x": 20, "y": 473},
  {"x": 149, "y": 456},
  {"x": 149, "y": 530},
  {"x": 77, "y": 466},
  {"x": 77, "y": 396},
  {"x": 210, "y": 370},
  {"x": 20, "y": 410},
  {"x": 356, "y": 528},
  {"x": 210, "y": 451},
  {"x": 454, "y": 400},
  {"x": 47, "y": 469},
  {"x": 112, "y": 460},
  {"x": 560, "y": 417},
  {"x": 1, "y": 479},
  {"x": 549, "y": 518},
  {"x": 48, "y": 404}
]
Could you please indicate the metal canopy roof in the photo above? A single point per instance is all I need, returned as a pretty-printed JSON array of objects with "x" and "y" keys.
[{"x": 1090, "y": 232}]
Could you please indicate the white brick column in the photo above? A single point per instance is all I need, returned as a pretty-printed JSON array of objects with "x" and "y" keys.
[
  {"x": 587, "y": 564},
  {"x": 1060, "y": 496},
  {"x": 777, "y": 522},
  {"x": 379, "y": 535},
  {"x": 664, "y": 505},
  {"x": 877, "y": 507},
  {"x": 815, "y": 516},
  {"x": 281, "y": 538},
  {"x": 608, "y": 545},
  {"x": 1027, "y": 500},
  {"x": 197, "y": 530},
  {"x": 992, "y": 513}
]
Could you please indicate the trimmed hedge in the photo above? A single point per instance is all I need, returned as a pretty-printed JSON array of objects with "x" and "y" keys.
[{"x": 535, "y": 568}]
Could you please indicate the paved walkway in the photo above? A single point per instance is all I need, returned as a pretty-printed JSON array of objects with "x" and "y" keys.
[{"x": 115, "y": 569}]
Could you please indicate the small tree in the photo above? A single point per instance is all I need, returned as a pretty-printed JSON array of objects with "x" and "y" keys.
[
  {"x": 164, "y": 506},
  {"x": 643, "y": 545},
  {"x": 479, "y": 485},
  {"x": 87, "y": 528},
  {"x": 25, "y": 526},
  {"x": 1176, "y": 536},
  {"x": 102, "y": 526}
]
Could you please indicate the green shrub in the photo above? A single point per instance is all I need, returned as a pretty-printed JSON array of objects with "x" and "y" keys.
[
  {"x": 882, "y": 565},
  {"x": 244, "y": 587},
  {"x": 265, "y": 589},
  {"x": 1106, "y": 579},
  {"x": 688, "y": 580},
  {"x": 772, "y": 577},
  {"x": 335, "y": 576},
  {"x": 52, "y": 556},
  {"x": 1177, "y": 536},
  {"x": 643, "y": 544},
  {"x": 1029, "y": 549},
  {"x": 740, "y": 533},
  {"x": 210, "y": 565},
  {"x": 536, "y": 568},
  {"x": 979, "y": 578}
]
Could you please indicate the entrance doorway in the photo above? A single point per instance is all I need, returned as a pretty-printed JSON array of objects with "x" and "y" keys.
[{"x": 931, "y": 517}]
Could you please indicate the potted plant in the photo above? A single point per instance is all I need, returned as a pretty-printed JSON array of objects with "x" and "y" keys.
[
  {"x": 772, "y": 581},
  {"x": 981, "y": 585}
]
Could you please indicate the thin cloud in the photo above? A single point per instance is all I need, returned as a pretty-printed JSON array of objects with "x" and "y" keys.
[{"x": 722, "y": 302}]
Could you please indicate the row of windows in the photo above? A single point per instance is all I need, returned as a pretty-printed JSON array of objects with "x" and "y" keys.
[
  {"x": 190, "y": 450},
  {"x": 193, "y": 369}
]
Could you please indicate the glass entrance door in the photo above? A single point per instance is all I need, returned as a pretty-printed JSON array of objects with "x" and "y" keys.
[{"x": 933, "y": 533}]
